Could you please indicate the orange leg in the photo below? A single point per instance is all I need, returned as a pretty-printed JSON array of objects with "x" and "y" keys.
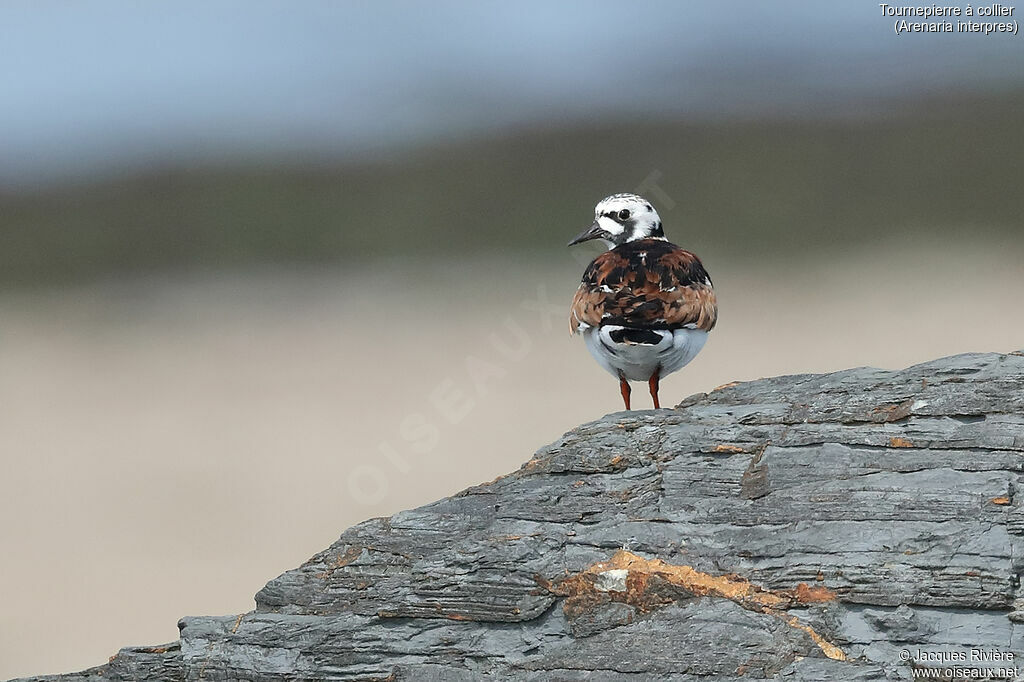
[
  {"x": 625, "y": 390},
  {"x": 653, "y": 383}
]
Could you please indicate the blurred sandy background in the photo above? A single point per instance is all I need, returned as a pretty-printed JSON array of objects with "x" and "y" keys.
[{"x": 269, "y": 270}]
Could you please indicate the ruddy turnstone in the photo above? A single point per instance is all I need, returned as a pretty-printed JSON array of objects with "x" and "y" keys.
[{"x": 646, "y": 306}]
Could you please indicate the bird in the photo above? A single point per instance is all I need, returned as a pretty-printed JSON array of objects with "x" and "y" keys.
[{"x": 645, "y": 306}]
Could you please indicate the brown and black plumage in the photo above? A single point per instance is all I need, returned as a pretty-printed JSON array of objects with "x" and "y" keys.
[
  {"x": 644, "y": 307},
  {"x": 645, "y": 284}
]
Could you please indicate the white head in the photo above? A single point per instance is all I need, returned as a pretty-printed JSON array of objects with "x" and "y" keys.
[{"x": 622, "y": 218}]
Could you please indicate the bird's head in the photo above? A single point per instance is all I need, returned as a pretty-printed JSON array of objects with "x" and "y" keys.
[{"x": 622, "y": 218}]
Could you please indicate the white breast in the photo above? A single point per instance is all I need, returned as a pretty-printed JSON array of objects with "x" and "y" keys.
[{"x": 638, "y": 361}]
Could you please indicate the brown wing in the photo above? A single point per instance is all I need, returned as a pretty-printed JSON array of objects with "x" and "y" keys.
[{"x": 646, "y": 284}]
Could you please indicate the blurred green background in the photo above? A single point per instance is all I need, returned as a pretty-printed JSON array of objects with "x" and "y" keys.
[
  {"x": 245, "y": 244},
  {"x": 928, "y": 169}
]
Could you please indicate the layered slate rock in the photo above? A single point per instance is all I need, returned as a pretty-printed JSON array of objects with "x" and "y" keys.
[{"x": 799, "y": 527}]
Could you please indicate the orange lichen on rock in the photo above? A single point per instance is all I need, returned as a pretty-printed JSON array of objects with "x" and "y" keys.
[
  {"x": 804, "y": 594},
  {"x": 893, "y": 412},
  {"x": 728, "y": 448},
  {"x": 701, "y": 584},
  {"x": 350, "y": 555},
  {"x": 340, "y": 561},
  {"x": 827, "y": 647},
  {"x": 898, "y": 442},
  {"x": 640, "y": 582}
]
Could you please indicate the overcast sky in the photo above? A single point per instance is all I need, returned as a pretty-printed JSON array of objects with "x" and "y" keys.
[{"x": 87, "y": 87}]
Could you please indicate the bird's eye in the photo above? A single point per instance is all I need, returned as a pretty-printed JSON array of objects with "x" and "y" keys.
[{"x": 624, "y": 214}]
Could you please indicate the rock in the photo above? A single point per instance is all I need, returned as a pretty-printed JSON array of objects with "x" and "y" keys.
[{"x": 803, "y": 527}]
